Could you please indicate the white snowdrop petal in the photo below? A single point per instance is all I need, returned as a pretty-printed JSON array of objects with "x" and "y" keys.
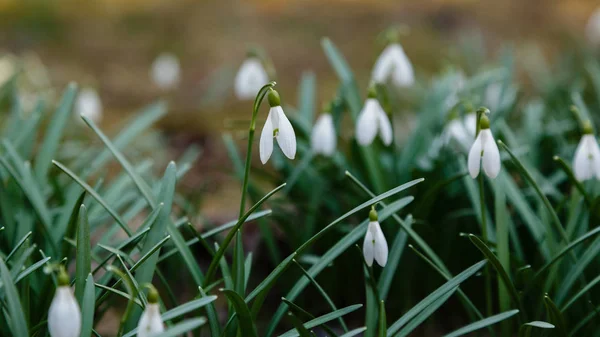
[
  {"x": 385, "y": 128},
  {"x": 369, "y": 247},
  {"x": 491, "y": 155},
  {"x": 384, "y": 65},
  {"x": 403, "y": 73},
  {"x": 381, "y": 247},
  {"x": 150, "y": 323},
  {"x": 323, "y": 138},
  {"x": 582, "y": 168},
  {"x": 266, "y": 140},
  {"x": 286, "y": 138},
  {"x": 64, "y": 315},
  {"x": 367, "y": 123},
  {"x": 250, "y": 78},
  {"x": 88, "y": 104},
  {"x": 474, "y": 159},
  {"x": 596, "y": 158},
  {"x": 165, "y": 71}
]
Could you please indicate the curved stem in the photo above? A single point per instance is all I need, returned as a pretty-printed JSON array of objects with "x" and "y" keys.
[{"x": 484, "y": 234}]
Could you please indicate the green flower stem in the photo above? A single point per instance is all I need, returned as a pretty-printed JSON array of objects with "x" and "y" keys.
[
  {"x": 257, "y": 101},
  {"x": 484, "y": 234},
  {"x": 565, "y": 167},
  {"x": 130, "y": 302}
]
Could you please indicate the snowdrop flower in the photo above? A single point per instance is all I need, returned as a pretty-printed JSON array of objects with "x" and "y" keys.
[
  {"x": 592, "y": 30},
  {"x": 586, "y": 164},
  {"x": 393, "y": 63},
  {"x": 88, "y": 104},
  {"x": 151, "y": 324},
  {"x": 64, "y": 316},
  {"x": 323, "y": 139},
  {"x": 279, "y": 127},
  {"x": 484, "y": 149},
  {"x": 250, "y": 78},
  {"x": 165, "y": 71},
  {"x": 375, "y": 246},
  {"x": 372, "y": 120}
]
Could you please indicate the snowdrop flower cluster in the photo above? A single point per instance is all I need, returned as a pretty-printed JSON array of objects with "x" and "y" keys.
[
  {"x": 151, "y": 323},
  {"x": 88, "y": 104},
  {"x": 323, "y": 139},
  {"x": 592, "y": 30},
  {"x": 373, "y": 120},
  {"x": 375, "y": 246},
  {"x": 586, "y": 164},
  {"x": 393, "y": 63},
  {"x": 64, "y": 315},
  {"x": 165, "y": 71},
  {"x": 484, "y": 150},
  {"x": 279, "y": 127},
  {"x": 250, "y": 78}
]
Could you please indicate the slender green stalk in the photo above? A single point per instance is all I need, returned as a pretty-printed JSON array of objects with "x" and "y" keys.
[
  {"x": 484, "y": 234},
  {"x": 259, "y": 98}
]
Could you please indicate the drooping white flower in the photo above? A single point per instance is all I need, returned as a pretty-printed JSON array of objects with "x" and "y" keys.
[
  {"x": 64, "y": 316},
  {"x": 88, "y": 104},
  {"x": 166, "y": 71},
  {"x": 592, "y": 30},
  {"x": 250, "y": 78},
  {"x": 484, "y": 150},
  {"x": 586, "y": 164},
  {"x": 393, "y": 63},
  {"x": 150, "y": 323},
  {"x": 375, "y": 246},
  {"x": 323, "y": 139},
  {"x": 279, "y": 127},
  {"x": 371, "y": 121}
]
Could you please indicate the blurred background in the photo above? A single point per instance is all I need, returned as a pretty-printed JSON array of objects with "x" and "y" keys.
[{"x": 110, "y": 46}]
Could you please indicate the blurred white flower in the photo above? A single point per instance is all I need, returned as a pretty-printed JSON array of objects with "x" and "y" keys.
[
  {"x": 64, "y": 316},
  {"x": 250, "y": 78},
  {"x": 586, "y": 164},
  {"x": 150, "y": 323},
  {"x": 166, "y": 71},
  {"x": 375, "y": 246},
  {"x": 372, "y": 120},
  {"x": 7, "y": 69},
  {"x": 277, "y": 126},
  {"x": 393, "y": 63},
  {"x": 323, "y": 139},
  {"x": 484, "y": 150},
  {"x": 88, "y": 104},
  {"x": 460, "y": 129},
  {"x": 592, "y": 30}
]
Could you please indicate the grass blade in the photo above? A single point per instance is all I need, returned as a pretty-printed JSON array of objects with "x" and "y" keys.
[
  {"x": 243, "y": 313},
  {"x": 183, "y": 327},
  {"x": 324, "y": 319},
  {"x": 87, "y": 307},
  {"x": 18, "y": 324},
  {"x": 483, "y": 323},
  {"x": 83, "y": 267}
]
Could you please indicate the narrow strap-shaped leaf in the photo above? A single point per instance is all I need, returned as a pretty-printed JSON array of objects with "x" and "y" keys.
[
  {"x": 238, "y": 265},
  {"x": 49, "y": 145},
  {"x": 424, "y": 314},
  {"x": 88, "y": 306},
  {"x": 18, "y": 324},
  {"x": 556, "y": 316},
  {"x": 183, "y": 327},
  {"x": 260, "y": 292},
  {"x": 83, "y": 266},
  {"x": 302, "y": 331},
  {"x": 335, "y": 251},
  {"x": 482, "y": 323},
  {"x": 243, "y": 313},
  {"x": 95, "y": 195},
  {"x": 514, "y": 294},
  {"x": 324, "y": 319},
  {"x": 71, "y": 228},
  {"x": 180, "y": 311},
  {"x": 213, "y": 265},
  {"x": 213, "y": 318},
  {"x": 437, "y": 294},
  {"x": 31, "y": 269},
  {"x": 354, "y": 332}
]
